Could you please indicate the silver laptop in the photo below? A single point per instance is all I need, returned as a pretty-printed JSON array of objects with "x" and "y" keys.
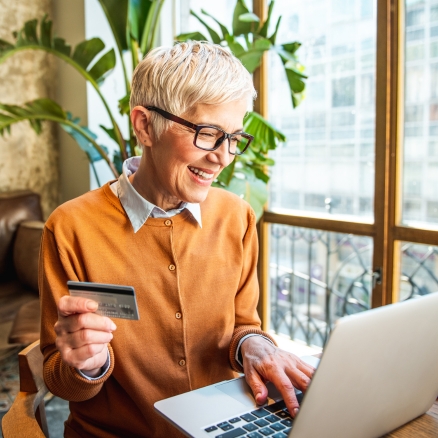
[{"x": 379, "y": 370}]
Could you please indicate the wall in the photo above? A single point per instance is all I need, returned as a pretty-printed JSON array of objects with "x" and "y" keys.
[
  {"x": 71, "y": 94},
  {"x": 50, "y": 164},
  {"x": 27, "y": 161}
]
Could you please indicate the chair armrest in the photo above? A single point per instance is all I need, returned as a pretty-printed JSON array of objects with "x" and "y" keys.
[
  {"x": 27, "y": 417},
  {"x": 20, "y": 421}
]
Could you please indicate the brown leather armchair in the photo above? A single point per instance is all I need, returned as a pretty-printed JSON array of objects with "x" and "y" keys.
[{"x": 20, "y": 235}]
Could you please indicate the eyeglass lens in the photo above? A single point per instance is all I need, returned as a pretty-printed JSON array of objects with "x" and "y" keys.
[{"x": 211, "y": 138}]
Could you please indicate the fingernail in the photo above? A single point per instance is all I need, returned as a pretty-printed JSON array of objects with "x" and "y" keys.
[
  {"x": 92, "y": 305},
  {"x": 113, "y": 326},
  {"x": 296, "y": 410}
]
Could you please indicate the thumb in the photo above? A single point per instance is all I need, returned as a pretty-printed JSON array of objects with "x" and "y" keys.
[{"x": 257, "y": 386}]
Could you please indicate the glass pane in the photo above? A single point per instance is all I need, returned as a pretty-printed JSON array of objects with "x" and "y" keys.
[
  {"x": 419, "y": 270},
  {"x": 316, "y": 277},
  {"x": 420, "y": 160},
  {"x": 327, "y": 163}
]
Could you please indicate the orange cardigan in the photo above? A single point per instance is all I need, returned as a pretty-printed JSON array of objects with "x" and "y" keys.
[{"x": 214, "y": 287}]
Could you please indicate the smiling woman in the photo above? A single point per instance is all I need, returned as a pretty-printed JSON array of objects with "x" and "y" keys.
[{"x": 189, "y": 250}]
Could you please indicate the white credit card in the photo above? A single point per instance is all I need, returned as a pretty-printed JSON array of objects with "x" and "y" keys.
[{"x": 114, "y": 301}]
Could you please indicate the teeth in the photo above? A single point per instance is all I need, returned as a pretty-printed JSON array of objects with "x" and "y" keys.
[{"x": 201, "y": 173}]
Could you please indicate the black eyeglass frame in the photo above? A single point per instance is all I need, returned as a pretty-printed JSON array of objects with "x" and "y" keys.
[{"x": 197, "y": 129}]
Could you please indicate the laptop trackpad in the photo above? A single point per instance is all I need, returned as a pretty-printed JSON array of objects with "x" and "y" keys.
[{"x": 240, "y": 391}]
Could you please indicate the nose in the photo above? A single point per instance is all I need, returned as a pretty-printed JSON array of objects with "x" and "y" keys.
[{"x": 221, "y": 155}]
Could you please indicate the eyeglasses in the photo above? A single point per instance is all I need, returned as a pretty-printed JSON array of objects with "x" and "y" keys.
[{"x": 209, "y": 138}]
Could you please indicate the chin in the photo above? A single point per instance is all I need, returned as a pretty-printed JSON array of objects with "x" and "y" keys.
[{"x": 197, "y": 198}]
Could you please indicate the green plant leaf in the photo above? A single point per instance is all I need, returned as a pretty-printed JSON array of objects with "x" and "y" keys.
[
  {"x": 296, "y": 84},
  {"x": 116, "y": 12},
  {"x": 83, "y": 55},
  {"x": 86, "y": 51},
  {"x": 110, "y": 131},
  {"x": 273, "y": 37},
  {"x": 30, "y": 31},
  {"x": 82, "y": 141},
  {"x": 39, "y": 110},
  {"x": 237, "y": 49},
  {"x": 213, "y": 34},
  {"x": 262, "y": 44},
  {"x": 118, "y": 161},
  {"x": 264, "y": 29},
  {"x": 249, "y": 17},
  {"x": 251, "y": 59},
  {"x": 227, "y": 173},
  {"x": 259, "y": 174},
  {"x": 103, "y": 66},
  {"x": 150, "y": 28},
  {"x": 124, "y": 104},
  {"x": 240, "y": 27},
  {"x": 291, "y": 47},
  {"x": 297, "y": 98},
  {"x": 5, "y": 46},
  {"x": 266, "y": 137},
  {"x": 46, "y": 32},
  {"x": 138, "y": 11},
  {"x": 253, "y": 190},
  {"x": 295, "y": 67},
  {"x": 195, "y": 36},
  {"x": 224, "y": 30},
  {"x": 60, "y": 47}
]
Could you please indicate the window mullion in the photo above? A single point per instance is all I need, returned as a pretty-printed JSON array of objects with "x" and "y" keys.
[{"x": 386, "y": 148}]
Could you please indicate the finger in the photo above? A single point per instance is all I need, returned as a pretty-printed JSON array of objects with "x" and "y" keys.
[
  {"x": 89, "y": 356},
  {"x": 283, "y": 383},
  {"x": 257, "y": 385},
  {"x": 81, "y": 321},
  {"x": 84, "y": 337},
  {"x": 68, "y": 305},
  {"x": 299, "y": 379},
  {"x": 306, "y": 368}
]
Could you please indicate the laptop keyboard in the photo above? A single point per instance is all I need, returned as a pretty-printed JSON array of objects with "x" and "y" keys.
[{"x": 273, "y": 421}]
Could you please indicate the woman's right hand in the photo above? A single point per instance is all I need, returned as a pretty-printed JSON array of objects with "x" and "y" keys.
[{"x": 82, "y": 335}]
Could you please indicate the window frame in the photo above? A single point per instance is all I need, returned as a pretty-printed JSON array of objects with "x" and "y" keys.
[{"x": 387, "y": 230}]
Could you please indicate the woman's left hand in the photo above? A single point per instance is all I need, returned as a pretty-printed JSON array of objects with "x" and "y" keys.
[{"x": 262, "y": 362}]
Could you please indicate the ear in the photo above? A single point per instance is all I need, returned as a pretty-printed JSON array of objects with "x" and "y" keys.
[{"x": 141, "y": 122}]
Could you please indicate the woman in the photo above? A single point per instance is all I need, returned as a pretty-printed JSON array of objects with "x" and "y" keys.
[{"x": 189, "y": 250}]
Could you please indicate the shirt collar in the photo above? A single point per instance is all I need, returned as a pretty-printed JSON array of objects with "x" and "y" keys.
[{"x": 138, "y": 208}]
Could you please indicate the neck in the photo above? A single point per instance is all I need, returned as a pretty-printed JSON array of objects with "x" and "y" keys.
[{"x": 145, "y": 184}]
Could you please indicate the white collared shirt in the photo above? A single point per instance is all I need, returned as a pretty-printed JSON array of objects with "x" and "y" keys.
[{"x": 138, "y": 208}]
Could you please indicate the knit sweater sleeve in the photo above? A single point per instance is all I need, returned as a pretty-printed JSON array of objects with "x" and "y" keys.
[
  {"x": 55, "y": 269},
  {"x": 247, "y": 320}
]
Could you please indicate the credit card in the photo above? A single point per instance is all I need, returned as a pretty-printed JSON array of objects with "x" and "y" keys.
[{"x": 114, "y": 301}]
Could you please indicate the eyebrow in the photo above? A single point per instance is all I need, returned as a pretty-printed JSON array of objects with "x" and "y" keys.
[{"x": 213, "y": 125}]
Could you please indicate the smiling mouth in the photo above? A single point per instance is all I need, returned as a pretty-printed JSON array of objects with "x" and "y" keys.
[{"x": 200, "y": 173}]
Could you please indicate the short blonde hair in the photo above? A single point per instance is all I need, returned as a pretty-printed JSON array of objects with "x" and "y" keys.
[{"x": 177, "y": 78}]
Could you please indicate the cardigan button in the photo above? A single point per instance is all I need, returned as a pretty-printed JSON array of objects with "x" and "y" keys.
[
  {"x": 168, "y": 223},
  {"x": 172, "y": 267},
  {"x": 178, "y": 315},
  {"x": 182, "y": 362}
]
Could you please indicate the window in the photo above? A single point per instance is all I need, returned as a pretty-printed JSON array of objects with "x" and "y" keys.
[{"x": 325, "y": 250}]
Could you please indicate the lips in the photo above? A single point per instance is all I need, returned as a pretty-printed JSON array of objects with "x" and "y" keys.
[{"x": 201, "y": 173}]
